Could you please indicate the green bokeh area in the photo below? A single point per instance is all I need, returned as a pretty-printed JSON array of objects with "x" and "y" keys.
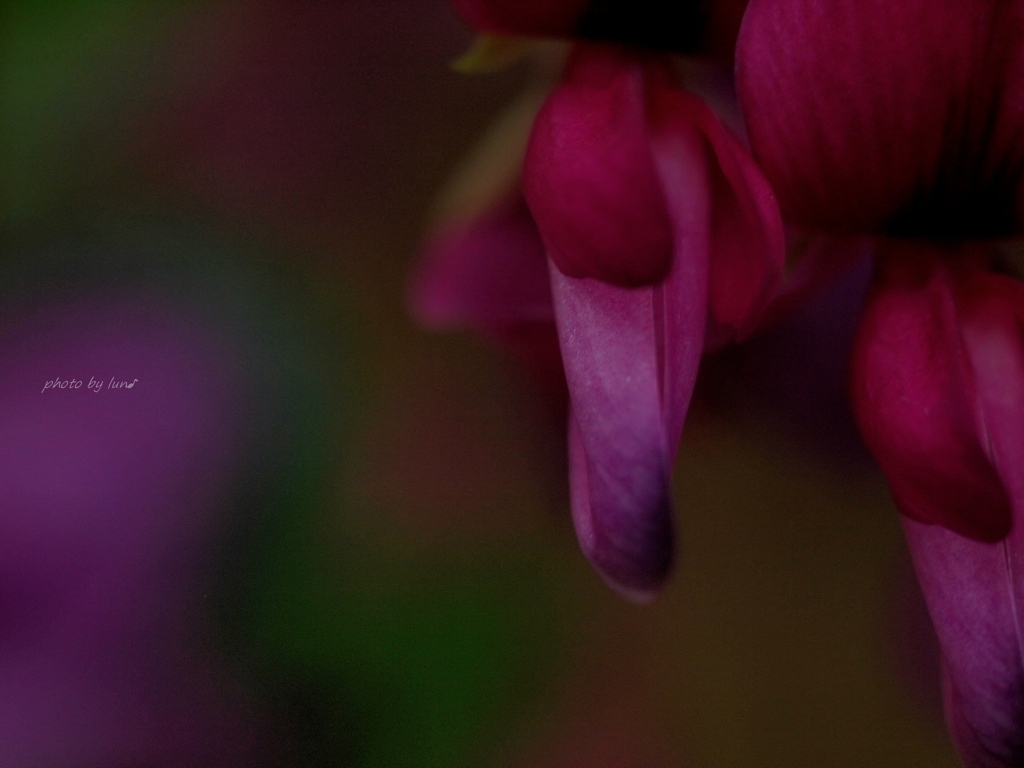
[
  {"x": 72, "y": 75},
  {"x": 365, "y": 654},
  {"x": 436, "y": 666},
  {"x": 380, "y": 660}
]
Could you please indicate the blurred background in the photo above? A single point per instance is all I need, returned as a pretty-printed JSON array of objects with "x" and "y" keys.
[{"x": 275, "y": 523}]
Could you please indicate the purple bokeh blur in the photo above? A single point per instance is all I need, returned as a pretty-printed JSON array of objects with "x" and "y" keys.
[{"x": 112, "y": 499}]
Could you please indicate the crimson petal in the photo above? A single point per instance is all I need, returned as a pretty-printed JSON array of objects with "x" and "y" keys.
[
  {"x": 956, "y": 340},
  {"x": 878, "y": 116},
  {"x": 589, "y": 176},
  {"x": 992, "y": 321},
  {"x": 490, "y": 274},
  {"x": 917, "y": 401},
  {"x": 747, "y": 238},
  {"x": 490, "y": 270}
]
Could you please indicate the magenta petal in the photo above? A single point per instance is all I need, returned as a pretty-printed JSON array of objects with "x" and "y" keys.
[
  {"x": 874, "y": 115},
  {"x": 974, "y": 593},
  {"x": 748, "y": 244},
  {"x": 522, "y": 17},
  {"x": 631, "y": 358},
  {"x": 491, "y": 270},
  {"x": 992, "y": 321},
  {"x": 589, "y": 176},
  {"x": 917, "y": 403},
  {"x": 490, "y": 274}
]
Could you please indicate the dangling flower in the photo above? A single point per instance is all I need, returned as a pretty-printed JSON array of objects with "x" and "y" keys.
[
  {"x": 661, "y": 235},
  {"x": 904, "y": 121}
]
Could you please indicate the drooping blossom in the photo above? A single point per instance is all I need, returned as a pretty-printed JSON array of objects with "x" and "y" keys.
[
  {"x": 904, "y": 121},
  {"x": 660, "y": 234}
]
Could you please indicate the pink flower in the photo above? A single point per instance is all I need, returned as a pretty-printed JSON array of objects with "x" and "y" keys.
[
  {"x": 661, "y": 236},
  {"x": 660, "y": 233},
  {"x": 905, "y": 121}
]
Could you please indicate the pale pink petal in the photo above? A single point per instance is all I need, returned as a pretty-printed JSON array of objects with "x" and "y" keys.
[
  {"x": 621, "y": 462},
  {"x": 632, "y": 554},
  {"x": 631, "y": 358},
  {"x": 973, "y": 590}
]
